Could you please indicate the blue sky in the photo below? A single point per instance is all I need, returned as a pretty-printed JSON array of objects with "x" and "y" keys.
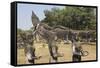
[{"x": 24, "y": 12}]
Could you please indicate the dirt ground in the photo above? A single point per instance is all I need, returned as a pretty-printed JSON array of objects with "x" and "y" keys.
[{"x": 64, "y": 49}]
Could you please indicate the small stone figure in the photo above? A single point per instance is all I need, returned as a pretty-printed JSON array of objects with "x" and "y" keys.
[
  {"x": 30, "y": 54},
  {"x": 76, "y": 48}
]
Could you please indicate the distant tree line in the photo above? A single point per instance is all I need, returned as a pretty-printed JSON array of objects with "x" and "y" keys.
[{"x": 78, "y": 18}]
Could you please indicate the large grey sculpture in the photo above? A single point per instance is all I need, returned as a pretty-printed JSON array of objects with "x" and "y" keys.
[{"x": 45, "y": 32}]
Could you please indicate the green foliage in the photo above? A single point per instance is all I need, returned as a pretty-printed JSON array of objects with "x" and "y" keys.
[
  {"x": 79, "y": 18},
  {"x": 23, "y": 33}
]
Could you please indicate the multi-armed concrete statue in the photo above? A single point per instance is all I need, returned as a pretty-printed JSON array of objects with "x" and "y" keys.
[{"x": 50, "y": 36}]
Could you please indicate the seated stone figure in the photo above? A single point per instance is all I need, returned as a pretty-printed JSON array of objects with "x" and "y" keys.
[
  {"x": 30, "y": 54},
  {"x": 29, "y": 49},
  {"x": 76, "y": 49}
]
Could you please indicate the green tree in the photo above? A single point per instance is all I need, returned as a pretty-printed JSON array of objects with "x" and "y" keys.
[{"x": 79, "y": 18}]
